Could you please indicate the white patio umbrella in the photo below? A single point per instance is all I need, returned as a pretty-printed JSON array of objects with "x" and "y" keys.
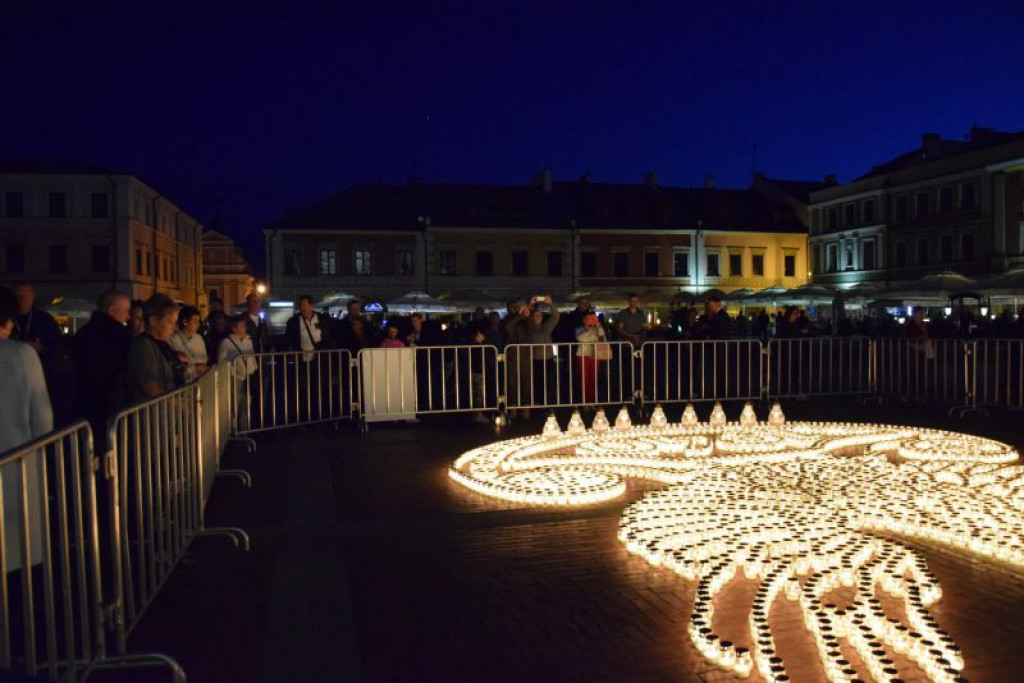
[
  {"x": 935, "y": 288},
  {"x": 419, "y": 302}
]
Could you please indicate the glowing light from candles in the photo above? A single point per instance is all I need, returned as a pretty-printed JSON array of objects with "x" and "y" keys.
[{"x": 804, "y": 509}]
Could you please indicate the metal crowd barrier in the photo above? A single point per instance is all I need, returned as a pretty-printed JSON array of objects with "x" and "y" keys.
[
  {"x": 569, "y": 375},
  {"x": 289, "y": 388},
  {"x": 924, "y": 370},
  {"x": 52, "y": 610},
  {"x": 818, "y": 366},
  {"x": 159, "y": 476},
  {"x": 400, "y": 383},
  {"x": 998, "y": 371},
  {"x": 674, "y": 371}
]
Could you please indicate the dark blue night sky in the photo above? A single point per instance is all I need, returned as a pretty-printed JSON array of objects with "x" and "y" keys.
[{"x": 252, "y": 110}]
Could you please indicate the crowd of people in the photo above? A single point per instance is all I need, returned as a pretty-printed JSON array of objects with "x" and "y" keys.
[{"x": 131, "y": 351}]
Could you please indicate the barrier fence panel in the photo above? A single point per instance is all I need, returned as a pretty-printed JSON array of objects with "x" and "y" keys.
[
  {"x": 675, "y": 371},
  {"x": 934, "y": 369},
  {"x": 819, "y": 366},
  {"x": 400, "y": 383},
  {"x": 156, "y": 507},
  {"x": 289, "y": 388},
  {"x": 51, "y": 599},
  {"x": 563, "y": 375},
  {"x": 999, "y": 373}
]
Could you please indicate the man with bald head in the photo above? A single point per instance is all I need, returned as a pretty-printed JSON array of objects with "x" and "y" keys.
[{"x": 99, "y": 352}]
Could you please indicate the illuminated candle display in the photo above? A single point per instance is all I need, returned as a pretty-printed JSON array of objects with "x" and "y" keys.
[{"x": 802, "y": 509}]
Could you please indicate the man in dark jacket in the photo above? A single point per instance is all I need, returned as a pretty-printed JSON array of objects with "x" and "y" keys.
[
  {"x": 351, "y": 331},
  {"x": 256, "y": 324},
  {"x": 308, "y": 330},
  {"x": 99, "y": 352},
  {"x": 715, "y": 324}
]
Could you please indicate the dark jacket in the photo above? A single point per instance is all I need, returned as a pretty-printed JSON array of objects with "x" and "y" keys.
[
  {"x": 260, "y": 334},
  {"x": 294, "y": 330},
  {"x": 716, "y": 327},
  {"x": 99, "y": 353}
]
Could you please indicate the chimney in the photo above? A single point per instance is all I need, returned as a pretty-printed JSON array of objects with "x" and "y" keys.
[
  {"x": 709, "y": 181},
  {"x": 542, "y": 179},
  {"x": 930, "y": 144},
  {"x": 830, "y": 179},
  {"x": 651, "y": 179}
]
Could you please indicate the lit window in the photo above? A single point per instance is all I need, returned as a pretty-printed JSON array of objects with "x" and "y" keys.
[
  {"x": 329, "y": 261},
  {"x": 681, "y": 264},
  {"x": 364, "y": 262},
  {"x": 404, "y": 262},
  {"x": 446, "y": 262}
]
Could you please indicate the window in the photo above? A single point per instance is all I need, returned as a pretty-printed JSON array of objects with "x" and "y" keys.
[
  {"x": 816, "y": 220},
  {"x": 946, "y": 248},
  {"x": 149, "y": 263},
  {"x": 555, "y": 264},
  {"x": 520, "y": 263},
  {"x": 967, "y": 247},
  {"x": 99, "y": 205},
  {"x": 100, "y": 258},
  {"x": 652, "y": 267},
  {"x": 735, "y": 264},
  {"x": 713, "y": 268},
  {"x": 867, "y": 255},
  {"x": 138, "y": 262},
  {"x": 851, "y": 214},
  {"x": 833, "y": 258},
  {"x": 900, "y": 209},
  {"x": 15, "y": 254},
  {"x": 620, "y": 264},
  {"x": 833, "y": 218},
  {"x": 588, "y": 263},
  {"x": 922, "y": 252},
  {"x": 849, "y": 257},
  {"x": 446, "y": 262},
  {"x": 968, "y": 196},
  {"x": 292, "y": 261},
  {"x": 58, "y": 258},
  {"x": 363, "y": 259},
  {"x": 329, "y": 261},
  {"x": 15, "y": 204},
  {"x": 789, "y": 263},
  {"x": 901, "y": 255},
  {"x": 922, "y": 204},
  {"x": 167, "y": 269},
  {"x": 946, "y": 200},
  {"x": 681, "y": 264},
  {"x": 404, "y": 263},
  {"x": 869, "y": 211},
  {"x": 817, "y": 258},
  {"x": 757, "y": 264},
  {"x": 58, "y": 205},
  {"x": 484, "y": 263}
]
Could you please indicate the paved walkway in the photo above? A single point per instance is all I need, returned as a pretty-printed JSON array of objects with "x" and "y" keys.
[{"x": 368, "y": 564}]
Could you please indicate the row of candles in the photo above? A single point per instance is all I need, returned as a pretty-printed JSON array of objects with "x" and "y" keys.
[{"x": 789, "y": 515}]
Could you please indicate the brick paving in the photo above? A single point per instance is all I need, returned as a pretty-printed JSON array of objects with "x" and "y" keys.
[{"x": 368, "y": 564}]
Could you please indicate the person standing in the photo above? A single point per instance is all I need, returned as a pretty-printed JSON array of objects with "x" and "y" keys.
[
  {"x": 715, "y": 324},
  {"x": 99, "y": 353},
  {"x": 307, "y": 330},
  {"x": 236, "y": 349},
  {"x": 351, "y": 330},
  {"x": 256, "y": 324},
  {"x": 40, "y": 330},
  {"x": 592, "y": 352},
  {"x": 25, "y": 412},
  {"x": 189, "y": 345},
  {"x": 148, "y": 372},
  {"x": 632, "y": 322}
]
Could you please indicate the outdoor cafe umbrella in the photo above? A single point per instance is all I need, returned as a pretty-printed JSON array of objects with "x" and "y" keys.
[
  {"x": 935, "y": 288},
  {"x": 418, "y": 302},
  {"x": 768, "y": 296},
  {"x": 809, "y": 294}
]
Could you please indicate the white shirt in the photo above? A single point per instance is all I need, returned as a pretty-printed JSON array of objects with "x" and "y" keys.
[
  {"x": 309, "y": 332},
  {"x": 231, "y": 348},
  {"x": 194, "y": 349}
]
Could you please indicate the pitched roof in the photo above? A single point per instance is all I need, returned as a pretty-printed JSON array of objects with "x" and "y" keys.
[
  {"x": 568, "y": 204},
  {"x": 934, "y": 148}
]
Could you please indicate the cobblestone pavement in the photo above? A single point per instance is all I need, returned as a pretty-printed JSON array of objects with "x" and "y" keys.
[{"x": 368, "y": 564}]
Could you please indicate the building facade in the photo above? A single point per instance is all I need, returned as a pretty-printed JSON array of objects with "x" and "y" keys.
[
  {"x": 74, "y": 231},
  {"x": 227, "y": 276},
  {"x": 549, "y": 237},
  {"x": 948, "y": 205}
]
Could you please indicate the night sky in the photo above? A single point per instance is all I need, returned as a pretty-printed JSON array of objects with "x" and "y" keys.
[{"x": 252, "y": 111}]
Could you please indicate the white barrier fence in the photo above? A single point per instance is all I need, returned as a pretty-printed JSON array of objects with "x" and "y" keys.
[
  {"x": 819, "y": 366},
  {"x": 569, "y": 375},
  {"x": 53, "y": 616},
  {"x": 701, "y": 370},
  {"x": 925, "y": 370}
]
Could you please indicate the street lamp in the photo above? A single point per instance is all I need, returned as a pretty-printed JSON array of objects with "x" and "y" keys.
[{"x": 261, "y": 288}]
